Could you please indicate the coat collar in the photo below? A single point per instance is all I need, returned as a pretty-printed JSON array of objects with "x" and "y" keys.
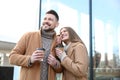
[
  {"x": 52, "y": 49},
  {"x": 71, "y": 47}
]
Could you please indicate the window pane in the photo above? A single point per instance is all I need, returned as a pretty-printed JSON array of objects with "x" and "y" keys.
[
  {"x": 74, "y": 13},
  {"x": 107, "y": 41}
]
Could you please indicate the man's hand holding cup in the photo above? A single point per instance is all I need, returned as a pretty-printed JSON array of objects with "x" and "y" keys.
[{"x": 38, "y": 55}]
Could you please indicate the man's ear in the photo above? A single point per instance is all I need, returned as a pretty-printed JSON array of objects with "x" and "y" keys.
[{"x": 57, "y": 24}]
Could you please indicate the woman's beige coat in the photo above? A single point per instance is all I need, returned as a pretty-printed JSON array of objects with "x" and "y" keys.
[
  {"x": 76, "y": 63},
  {"x": 21, "y": 53}
]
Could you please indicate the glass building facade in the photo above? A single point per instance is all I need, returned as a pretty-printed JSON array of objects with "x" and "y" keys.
[{"x": 103, "y": 21}]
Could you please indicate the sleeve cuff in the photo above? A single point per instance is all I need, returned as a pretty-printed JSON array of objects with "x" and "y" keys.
[
  {"x": 63, "y": 56},
  {"x": 57, "y": 65},
  {"x": 29, "y": 63}
]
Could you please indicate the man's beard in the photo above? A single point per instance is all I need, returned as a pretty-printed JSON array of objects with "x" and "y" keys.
[
  {"x": 46, "y": 24},
  {"x": 48, "y": 30}
]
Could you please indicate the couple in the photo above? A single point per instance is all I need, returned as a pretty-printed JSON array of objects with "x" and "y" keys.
[{"x": 72, "y": 62}]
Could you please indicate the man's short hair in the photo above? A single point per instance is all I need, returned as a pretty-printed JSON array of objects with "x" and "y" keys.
[{"x": 54, "y": 13}]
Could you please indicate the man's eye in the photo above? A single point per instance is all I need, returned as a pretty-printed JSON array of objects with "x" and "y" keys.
[{"x": 50, "y": 19}]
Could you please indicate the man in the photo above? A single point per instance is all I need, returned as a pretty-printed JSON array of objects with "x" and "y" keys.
[{"x": 26, "y": 55}]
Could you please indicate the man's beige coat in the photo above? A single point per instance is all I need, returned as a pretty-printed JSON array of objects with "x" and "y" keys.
[{"x": 21, "y": 53}]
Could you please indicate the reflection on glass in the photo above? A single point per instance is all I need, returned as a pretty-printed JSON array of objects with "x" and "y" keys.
[{"x": 107, "y": 42}]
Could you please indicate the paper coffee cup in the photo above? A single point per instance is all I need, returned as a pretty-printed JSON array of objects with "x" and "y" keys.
[
  {"x": 42, "y": 50},
  {"x": 61, "y": 48}
]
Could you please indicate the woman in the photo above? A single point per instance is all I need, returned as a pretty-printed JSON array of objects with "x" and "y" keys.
[{"x": 74, "y": 58}]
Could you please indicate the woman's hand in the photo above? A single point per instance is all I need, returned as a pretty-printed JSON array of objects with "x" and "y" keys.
[{"x": 60, "y": 53}]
